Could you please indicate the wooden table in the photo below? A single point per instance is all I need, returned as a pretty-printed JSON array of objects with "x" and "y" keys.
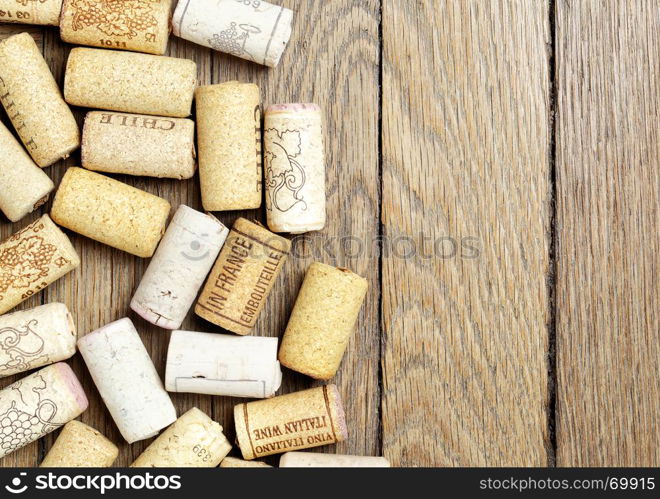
[{"x": 506, "y": 155}]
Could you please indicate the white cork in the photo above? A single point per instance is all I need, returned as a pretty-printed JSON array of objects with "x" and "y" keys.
[
  {"x": 23, "y": 185},
  {"x": 193, "y": 441},
  {"x": 294, "y": 168},
  {"x": 316, "y": 460},
  {"x": 220, "y": 364},
  {"x": 254, "y": 30},
  {"x": 38, "y": 404},
  {"x": 127, "y": 380},
  {"x": 177, "y": 270},
  {"x": 35, "y": 338}
]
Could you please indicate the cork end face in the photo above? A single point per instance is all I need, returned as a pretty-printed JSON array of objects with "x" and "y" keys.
[
  {"x": 259, "y": 232},
  {"x": 18, "y": 40},
  {"x": 242, "y": 437},
  {"x": 153, "y": 317},
  {"x": 71, "y": 326},
  {"x": 335, "y": 398},
  {"x": 124, "y": 323},
  {"x": 281, "y": 38},
  {"x": 71, "y": 381}
]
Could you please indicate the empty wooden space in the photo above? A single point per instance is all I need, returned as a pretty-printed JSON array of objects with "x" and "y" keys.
[{"x": 492, "y": 171}]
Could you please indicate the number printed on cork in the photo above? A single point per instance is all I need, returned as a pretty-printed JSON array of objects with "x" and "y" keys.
[{"x": 42, "y": 12}]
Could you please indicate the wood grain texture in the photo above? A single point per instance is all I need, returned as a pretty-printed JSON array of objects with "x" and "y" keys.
[
  {"x": 332, "y": 60},
  {"x": 465, "y": 159},
  {"x": 608, "y": 185}
]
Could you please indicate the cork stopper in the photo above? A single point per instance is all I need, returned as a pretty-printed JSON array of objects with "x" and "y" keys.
[
  {"x": 299, "y": 420},
  {"x": 80, "y": 446},
  {"x": 32, "y": 259},
  {"x": 34, "y": 103},
  {"x": 322, "y": 320},
  {"x": 229, "y": 143},
  {"x": 110, "y": 212},
  {"x": 242, "y": 277},
  {"x": 130, "y": 82},
  {"x": 143, "y": 28}
]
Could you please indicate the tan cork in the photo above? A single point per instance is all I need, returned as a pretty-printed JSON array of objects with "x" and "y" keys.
[
  {"x": 41, "y": 12},
  {"x": 142, "y": 26},
  {"x": 23, "y": 185},
  {"x": 32, "y": 259},
  {"x": 193, "y": 441},
  {"x": 294, "y": 168},
  {"x": 322, "y": 320},
  {"x": 229, "y": 143},
  {"x": 80, "y": 446},
  {"x": 299, "y": 420},
  {"x": 136, "y": 144},
  {"x": 130, "y": 82},
  {"x": 110, "y": 212},
  {"x": 242, "y": 277},
  {"x": 34, "y": 103}
]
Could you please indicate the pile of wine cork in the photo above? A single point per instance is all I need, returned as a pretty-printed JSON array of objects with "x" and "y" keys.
[{"x": 138, "y": 123}]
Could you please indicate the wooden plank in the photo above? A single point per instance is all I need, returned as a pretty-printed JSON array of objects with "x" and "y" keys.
[
  {"x": 465, "y": 165},
  {"x": 608, "y": 192},
  {"x": 332, "y": 59}
]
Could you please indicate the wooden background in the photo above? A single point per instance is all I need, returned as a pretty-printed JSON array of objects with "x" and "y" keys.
[{"x": 493, "y": 171}]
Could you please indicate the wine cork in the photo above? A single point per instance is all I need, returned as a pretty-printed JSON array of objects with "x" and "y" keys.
[
  {"x": 110, "y": 212},
  {"x": 299, "y": 420},
  {"x": 80, "y": 446},
  {"x": 35, "y": 338},
  {"x": 32, "y": 259},
  {"x": 193, "y": 441},
  {"x": 242, "y": 277},
  {"x": 136, "y": 144},
  {"x": 38, "y": 404},
  {"x": 322, "y": 320},
  {"x": 233, "y": 462},
  {"x": 183, "y": 260},
  {"x": 141, "y": 26},
  {"x": 127, "y": 380},
  {"x": 316, "y": 460},
  {"x": 42, "y": 12},
  {"x": 220, "y": 364},
  {"x": 255, "y": 30},
  {"x": 23, "y": 185},
  {"x": 229, "y": 142},
  {"x": 130, "y": 82},
  {"x": 294, "y": 168},
  {"x": 34, "y": 103}
]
